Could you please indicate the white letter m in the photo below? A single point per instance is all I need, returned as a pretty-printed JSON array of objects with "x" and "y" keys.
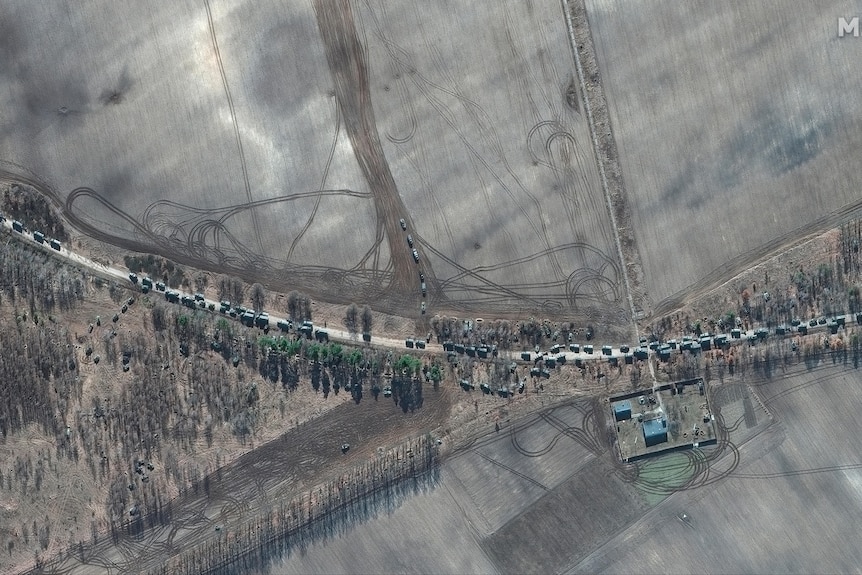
[{"x": 851, "y": 27}]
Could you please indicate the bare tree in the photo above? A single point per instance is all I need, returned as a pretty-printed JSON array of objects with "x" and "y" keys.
[
  {"x": 294, "y": 305},
  {"x": 351, "y": 318},
  {"x": 231, "y": 289},
  {"x": 298, "y": 306},
  {"x": 201, "y": 282},
  {"x": 258, "y": 297},
  {"x": 367, "y": 319}
]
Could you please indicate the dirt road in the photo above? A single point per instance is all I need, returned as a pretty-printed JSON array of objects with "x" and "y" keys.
[{"x": 349, "y": 69}]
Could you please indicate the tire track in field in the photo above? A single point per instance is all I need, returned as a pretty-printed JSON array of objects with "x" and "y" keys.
[
  {"x": 248, "y": 194},
  {"x": 422, "y": 171},
  {"x": 413, "y": 124},
  {"x": 424, "y": 85},
  {"x": 514, "y": 472},
  {"x": 142, "y": 239},
  {"x": 489, "y": 136},
  {"x": 322, "y": 185},
  {"x": 530, "y": 82},
  {"x": 528, "y": 69},
  {"x": 799, "y": 472},
  {"x": 347, "y": 59}
]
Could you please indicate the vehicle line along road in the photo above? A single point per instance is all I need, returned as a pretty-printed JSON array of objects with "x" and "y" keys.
[{"x": 597, "y": 353}]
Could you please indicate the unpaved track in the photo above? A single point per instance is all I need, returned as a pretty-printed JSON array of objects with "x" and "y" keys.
[{"x": 348, "y": 66}]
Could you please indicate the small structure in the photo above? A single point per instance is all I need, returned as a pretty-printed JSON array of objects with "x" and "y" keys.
[
  {"x": 623, "y": 411},
  {"x": 655, "y": 431}
]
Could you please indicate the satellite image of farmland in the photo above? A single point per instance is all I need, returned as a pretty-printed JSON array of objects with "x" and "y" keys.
[{"x": 382, "y": 286}]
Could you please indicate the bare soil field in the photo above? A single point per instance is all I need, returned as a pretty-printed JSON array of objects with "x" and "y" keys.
[
  {"x": 780, "y": 479},
  {"x": 283, "y": 142},
  {"x": 427, "y": 534},
  {"x": 734, "y": 135}
]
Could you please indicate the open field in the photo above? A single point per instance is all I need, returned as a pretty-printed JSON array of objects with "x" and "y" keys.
[
  {"x": 735, "y": 125},
  {"x": 781, "y": 479},
  {"x": 285, "y": 140},
  {"x": 427, "y": 534}
]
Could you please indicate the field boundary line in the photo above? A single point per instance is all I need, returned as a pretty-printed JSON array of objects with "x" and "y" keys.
[{"x": 610, "y": 158}]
